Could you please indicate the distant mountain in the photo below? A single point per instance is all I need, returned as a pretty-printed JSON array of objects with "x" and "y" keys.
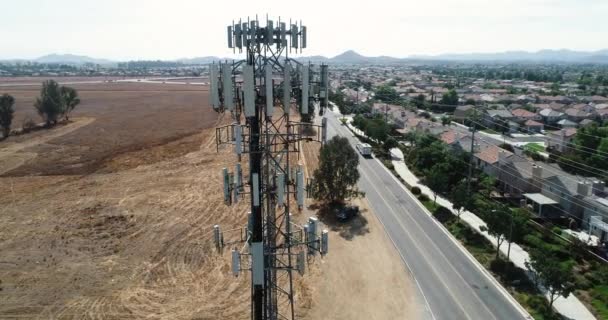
[
  {"x": 350, "y": 56},
  {"x": 70, "y": 59},
  {"x": 562, "y": 55},
  {"x": 201, "y": 60}
]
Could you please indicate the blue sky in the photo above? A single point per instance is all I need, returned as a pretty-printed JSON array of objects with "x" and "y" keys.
[{"x": 154, "y": 29}]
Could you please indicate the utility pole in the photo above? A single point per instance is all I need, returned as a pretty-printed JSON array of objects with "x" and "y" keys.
[
  {"x": 510, "y": 237},
  {"x": 274, "y": 244},
  {"x": 469, "y": 176}
]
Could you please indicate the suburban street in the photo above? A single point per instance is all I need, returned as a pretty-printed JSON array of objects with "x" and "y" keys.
[{"x": 450, "y": 283}]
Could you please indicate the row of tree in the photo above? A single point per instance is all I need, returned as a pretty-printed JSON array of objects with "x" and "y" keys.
[
  {"x": 443, "y": 174},
  {"x": 588, "y": 153},
  {"x": 54, "y": 102}
]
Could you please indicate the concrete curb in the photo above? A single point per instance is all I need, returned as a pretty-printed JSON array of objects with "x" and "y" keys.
[{"x": 488, "y": 275}]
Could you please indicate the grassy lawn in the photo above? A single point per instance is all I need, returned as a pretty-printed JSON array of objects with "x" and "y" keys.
[
  {"x": 599, "y": 296},
  {"x": 534, "y": 147},
  {"x": 430, "y": 205}
]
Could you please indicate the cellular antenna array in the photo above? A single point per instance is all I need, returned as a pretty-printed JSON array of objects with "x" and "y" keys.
[{"x": 259, "y": 93}]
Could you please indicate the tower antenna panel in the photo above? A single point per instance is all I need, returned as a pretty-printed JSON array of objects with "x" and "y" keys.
[
  {"x": 249, "y": 90},
  {"x": 283, "y": 34},
  {"x": 294, "y": 36},
  {"x": 228, "y": 86},
  {"x": 214, "y": 95},
  {"x": 269, "y": 93},
  {"x": 269, "y": 33},
  {"x": 305, "y": 88},
  {"x": 244, "y": 33},
  {"x": 287, "y": 88},
  {"x": 238, "y": 36},
  {"x": 230, "y": 37}
]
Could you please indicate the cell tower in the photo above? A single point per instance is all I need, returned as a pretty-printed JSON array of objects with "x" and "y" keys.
[{"x": 248, "y": 90}]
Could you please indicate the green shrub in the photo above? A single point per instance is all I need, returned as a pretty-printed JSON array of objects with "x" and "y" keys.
[
  {"x": 599, "y": 295},
  {"x": 443, "y": 214},
  {"x": 416, "y": 190},
  {"x": 557, "y": 230},
  {"x": 423, "y": 197},
  {"x": 541, "y": 307}
]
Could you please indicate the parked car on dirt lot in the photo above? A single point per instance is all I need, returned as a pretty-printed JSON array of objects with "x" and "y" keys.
[{"x": 346, "y": 213}]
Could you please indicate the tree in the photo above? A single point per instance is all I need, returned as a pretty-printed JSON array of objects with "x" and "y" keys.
[
  {"x": 71, "y": 100},
  {"x": 6, "y": 113},
  {"x": 498, "y": 223},
  {"x": 419, "y": 101},
  {"x": 437, "y": 181},
  {"x": 387, "y": 94},
  {"x": 460, "y": 198},
  {"x": 486, "y": 185},
  {"x": 518, "y": 227},
  {"x": 446, "y": 121},
  {"x": 554, "y": 274},
  {"x": 50, "y": 104},
  {"x": 450, "y": 98},
  {"x": 390, "y": 143},
  {"x": 337, "y": 175}
]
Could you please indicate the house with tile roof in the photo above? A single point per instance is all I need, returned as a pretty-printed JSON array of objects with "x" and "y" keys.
[
  {"x": 532, "y": 126},
  {"x": 561, "y": 140}
]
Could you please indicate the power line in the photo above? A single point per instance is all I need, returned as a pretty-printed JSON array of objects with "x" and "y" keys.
[
  {"x": 602, "y": 172},
  {"x": 551, "y": 184},
  {"x": 546, "y": 137},
  {"x": 592, "y": 152}
]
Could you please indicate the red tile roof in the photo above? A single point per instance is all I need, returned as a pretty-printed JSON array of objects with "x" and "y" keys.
[
  {"x": 449, "y": 137},
  {"x": 568, "y": 132},
  {"x": 491, "y": 154},
  {"x": 532, "y": 123},
  {"x": 523, "y": 113}
]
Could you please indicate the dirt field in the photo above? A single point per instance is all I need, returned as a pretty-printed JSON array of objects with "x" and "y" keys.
[
  {"x": 22, "y": 80},
  {"x": 110, "y": 217},
  {"x": 128, "y": 117},
  {"x": 128, "y": 244}
]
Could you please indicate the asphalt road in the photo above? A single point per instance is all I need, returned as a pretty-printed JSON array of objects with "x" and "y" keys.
[{"x": 449, "y": 282}]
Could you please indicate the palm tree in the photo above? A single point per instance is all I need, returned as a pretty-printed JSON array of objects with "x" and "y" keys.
[
  {"x": 6, "y": 113},
  {"x": 70, "y": 100}
]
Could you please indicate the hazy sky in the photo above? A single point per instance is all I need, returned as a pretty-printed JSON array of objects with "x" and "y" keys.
[{"x": 155, "y": 29}]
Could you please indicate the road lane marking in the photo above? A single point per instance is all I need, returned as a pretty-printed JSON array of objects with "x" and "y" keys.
[
  {"x": 422, "y": 252},
  {"x": 472, "y": 259},
  {"x": 441, "y": 254}
]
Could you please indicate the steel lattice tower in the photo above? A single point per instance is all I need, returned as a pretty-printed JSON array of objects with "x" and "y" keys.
[{"x": 249, "y": 89}]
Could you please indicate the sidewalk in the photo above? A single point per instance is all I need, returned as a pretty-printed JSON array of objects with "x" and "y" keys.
[{"x": 570, "y": 307}]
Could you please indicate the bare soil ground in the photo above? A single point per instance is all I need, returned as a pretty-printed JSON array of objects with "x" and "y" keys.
[
  {"x": 128, "y": 244},
  {"x": 128, "y": 117},
  {"x": 110, "y": 217},
  {"x": 23, "y": 80},
  {"x": 127, "y": 233},
  {"x": 363, "y": 276}
]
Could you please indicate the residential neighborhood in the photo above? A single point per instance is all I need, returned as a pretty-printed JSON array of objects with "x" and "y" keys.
[{"x": 536, "y": 147}]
